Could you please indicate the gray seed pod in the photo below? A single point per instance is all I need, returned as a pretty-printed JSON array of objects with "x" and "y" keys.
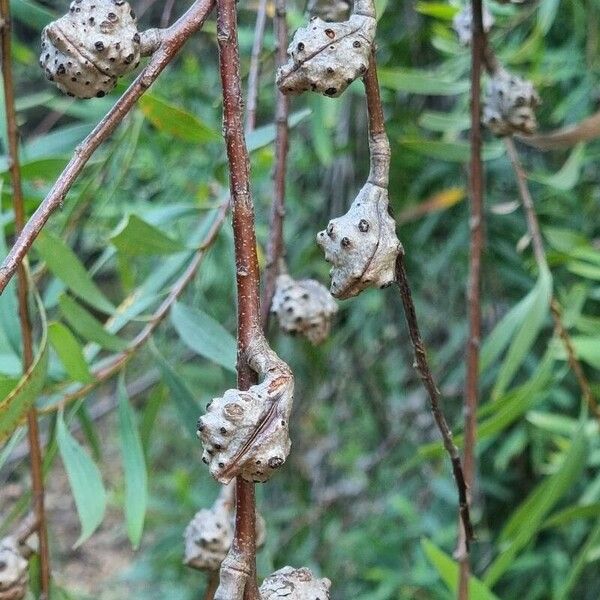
[
  {"x": 463, "y": 23},
  {"x": 361, "y": 245},
  {"x": 328, "y": 57},
  {"x": 330, "y": 10},
  {"x": 294, "y": 584},
  {"x": 304, "y": 307},
  {"x": 245, "y": 433},
  {"x": 13, "y": 570},
  {"x": 510, "y": 104},
  {"x": 96, "y": 42},
  {"x": 209, "y": 534}
]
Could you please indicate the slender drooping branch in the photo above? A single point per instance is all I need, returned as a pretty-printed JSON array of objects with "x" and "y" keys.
[
  {"x": 117, "y": 362},
  {"x": 254, "y": 72},
  {"x": 35, "y": 451},
  {"x": 476, "y": 192},
  {"x": 173, "y": 39},
  {"x": 242, "y": 558},
  {"x": 275, "y": 249},
  {"x": 539, "y": 252},
  {"x": 379, "y": 173}
]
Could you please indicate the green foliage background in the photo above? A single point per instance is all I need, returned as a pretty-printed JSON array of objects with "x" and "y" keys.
[{"x": 366, "y": 497}]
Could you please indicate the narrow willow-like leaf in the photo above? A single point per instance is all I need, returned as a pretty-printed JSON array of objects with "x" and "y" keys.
[
  {"x": 136, "y": 237},
  {"x": 65, "y": 265},
  {"x": 448, "y": 571},
  {"x": 186, "y": 407},
  {"x": 175, "y": 121},
  {"x": 19, "y": 400},
  {"x": 205, "y": 336},
  {"x": 531, "y": 326},
  {"x": 527, "y": 519},
  {"x": 85, "y": 481},
  {"x": 134, "y": 468},
  {"x": 88, "y": 326},
  {"x": 70, "y": 352}
]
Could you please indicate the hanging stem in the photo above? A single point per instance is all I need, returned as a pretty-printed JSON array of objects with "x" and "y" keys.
[
  {"x": 35, "y": 451},
  {"x": 474, "y": 286},
  {"x": 173, "y": 39},
  {"x": 379, "y": 173},
  {"x": 254, "y": 73},
  {"x": 276, "y": 249},
  {"x": 539, "y": 252},
  {"x": 242, "y": 557}
]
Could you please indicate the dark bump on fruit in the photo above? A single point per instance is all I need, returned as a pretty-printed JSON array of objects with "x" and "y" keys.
[
  {"x": 99, "y": 45},
  {"x": 300, "y": 47},
  {"x": 100, "y": 94},
  {"x": 356, "y": 44},
  {"x": 330, "y": 33},
  {"x": 136, "y": 38},
  {"x": 331, "y": 91},
  {"x": 345, "y": 242}
]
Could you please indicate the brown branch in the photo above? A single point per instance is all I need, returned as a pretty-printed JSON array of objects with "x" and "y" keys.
[
  {"x": 121, "y": 359},
  {"x": 173, "y": 39},
  {"x": 276, "y": 249},
  {"x": 242, "y": 558},
  {"x": 377, "y": 130},
  {"x": 254, "y": 72},
  {"x": 537, "y": 241},
  {"x": 212, "y": 585},
  {"x": 476, "y": 185},
  {"x": 33, "y": 435}
]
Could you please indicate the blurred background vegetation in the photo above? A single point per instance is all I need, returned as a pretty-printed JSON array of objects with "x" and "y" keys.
[{"x": 366, "y": 498}]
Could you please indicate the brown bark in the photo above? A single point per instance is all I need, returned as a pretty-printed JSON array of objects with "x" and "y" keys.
[
  {"x": 247, "y": 271},
  {"x": 476, "y": 190},
  {"x": 35, "y": 451},
  {"x": 276, "y": 249}
]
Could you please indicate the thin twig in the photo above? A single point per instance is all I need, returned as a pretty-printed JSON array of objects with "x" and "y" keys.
[
  {"x": 254, "y": 72},
  {"x": 435, "y": 399},
  {"x": 212, "y": 585},
  {"x": 173, "y": 39},
  {"x": 35, "y": 450},
  {"x": 243, "y": 547},
  {"x": 474, "y": 285},
  {"x": 539, "y": 252},
  {"x": 121, "y": 359},
  {"x": 276, "y": 249},
  {"x": 377, "y": 129}
]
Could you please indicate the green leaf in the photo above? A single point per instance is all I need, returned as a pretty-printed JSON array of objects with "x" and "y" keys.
[
  {"x": 584, "y": 269},
  {"x": 527, "y": 519},
  {"x": 537, "y": 310},
  {"x": 448, "y": 571},
  {"x": 135, "y": 237},
  {"x": 580, "y": 562},
  {"x": 20, "y": 399},
  {"x": 567, "y": 177},
  {"x": 187, "y": 409},
  {"x": 205, "y": 336},
  {"x": 85, "y": 481},
  {"x": 265, "y": 135},
  {"x": 439, "y": 10},
  {"x": 63, "y": 263},
  {"x": 416, "y": 81},
  {"x": 573, "y": 513},
  {"x": 503, "y": 332},
  {"x": 30, "y": 13},
  {"x": 175, "y": 121},
  {"x": 134, "y": 467},
  {"x": 69, "y": 351},
  {"x": 587, "y": 349},
  {"x": 87, "y": 326},
  {"x": 450, "y": 151},
  {"x": 443, "y": 122}
]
